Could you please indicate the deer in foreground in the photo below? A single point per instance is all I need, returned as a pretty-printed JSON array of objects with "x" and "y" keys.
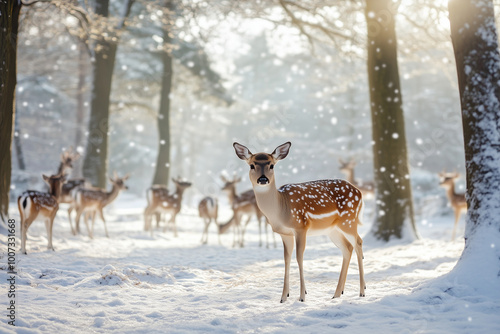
[
  {"x": 90, "y": 201},
  {"x": 70, "y": 186},
  {"x": 160, "y": 201},
  {"x": 457, "y": 201},
  {"x": 324, "y": 207},
  {"x": 242, "y": 204},
  {"x": 366, "y": 187},
  {"x": 208, "y": 210},
  {"x": 40, "y": 205}
]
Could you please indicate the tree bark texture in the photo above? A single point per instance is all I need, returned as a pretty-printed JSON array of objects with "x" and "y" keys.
[
  {"x": 162, "y": 170},
  {"x": 96, "y": 155},
  {"x": 9, "y": 26},
  {"x": 95, "y": 162},
  {"x": 394, "y": 205},
  {"x": 477, "y": 57},
  {"x": 17, "y": 141}
]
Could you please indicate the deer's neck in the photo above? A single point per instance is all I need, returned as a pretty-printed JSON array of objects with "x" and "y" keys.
[
  {"x": 60, "y": 170},
  {"x": 178, "y": 195},
  {"x": 453, "y": 196},
  {"x": 272, "y": 203},
  {"x": 111, "y": 196},
  {"x": 350, "y": 175},
  {"x": 232, "y": 195},
  {"x": 451, "y": 190},
  {"x": 55, "y": 190}
]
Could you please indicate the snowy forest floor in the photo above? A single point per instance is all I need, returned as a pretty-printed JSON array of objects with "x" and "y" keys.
[{"x": 134, "y": 283}]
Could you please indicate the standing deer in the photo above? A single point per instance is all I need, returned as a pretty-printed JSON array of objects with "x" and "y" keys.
[
  {"x": 70, "y": 186},
  {"x": 67, "y": 159},
  {"x": 40, "y": 205},
  {"x": 90, "y": 201},
  {"x": 457, "y": 201},
  {"x": 208, "y": 210},
  {"x": 325, "y": 207},
  {"x": 242, "y": 204},
  {"x": 160, "y": 201},
  {"x": 366, "y": 187}
]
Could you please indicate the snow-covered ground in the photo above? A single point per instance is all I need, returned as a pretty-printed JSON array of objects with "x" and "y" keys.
[{"x": 133, "y": 283}]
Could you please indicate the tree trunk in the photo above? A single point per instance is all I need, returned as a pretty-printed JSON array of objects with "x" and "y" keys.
[
  {"x": 95, "y": 162},
  {"x": 475, "y": 43},
  {"x": 163, "y": 160},
  {"x": 80, "y": 105},
  {"x": 394, "y": 205},
  {"x": 17, "y": 142},
  {"x": 9, "y": 25}
]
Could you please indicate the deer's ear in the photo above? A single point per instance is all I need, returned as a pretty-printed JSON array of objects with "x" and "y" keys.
[
  {"x": 242, "y": 151},
  {"x": 45, "y": 178},
  {"x": 281, "y": 151}
]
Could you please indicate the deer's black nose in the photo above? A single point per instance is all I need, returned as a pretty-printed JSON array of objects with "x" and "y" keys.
[{"x": 263, "y": 180}]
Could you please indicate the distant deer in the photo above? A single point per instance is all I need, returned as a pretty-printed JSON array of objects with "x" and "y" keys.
[
  {"x": 457, "y": 201},
  {"x": 324, "y": 207},
  {"x": 208, "y": 210},
  {"x": 91, "y": 201},
  {"x": 160, "y": 201},
  {"x": 67, "y": 159},
  {"x": 366, "y": 187},
  {"x": 243, "y": 204},
  {"x": 40, "y": 205}
]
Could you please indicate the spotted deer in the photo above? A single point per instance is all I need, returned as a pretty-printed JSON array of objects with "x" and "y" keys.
[
  {"x": 366, "y": 187},
  {"x": 40, "y": 205},
  {"x": 160, "y": 201},
  {"x": 457, "y": 200},
  {"x": 91, "y": 201},
  {"x": 208, "y": 209},
  {"x": 324, "y": 207},
  {"x": 70, "y": 186},
  {"x": 243, "y": 204}
]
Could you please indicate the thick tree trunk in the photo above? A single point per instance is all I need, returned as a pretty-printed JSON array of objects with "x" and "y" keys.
[
  {"x": 163, "y": 160},
  {"x": 9, "y": 26},
  {"x": 394, "y": 205},
  {"x": 17, "y": 142},
  {"x": 80, "y": 106},
  {"x": 95, "y": 162},
  {"x": 477, "y": 58}
]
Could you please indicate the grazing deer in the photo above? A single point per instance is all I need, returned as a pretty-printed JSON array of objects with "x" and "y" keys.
[
  {"x": 67, "y": 196},
  {"x": 325, "y": 207},
  {"x": 160, "y": 201},
  {"x": 457, "y": 201},
  {"x": 242, "y": 204},
  {"x": 366, "y": 187},
  {"x": 40, "y": 205},
  {"x": 208, "y": 210},
  {"x": 92, "y": 200}
]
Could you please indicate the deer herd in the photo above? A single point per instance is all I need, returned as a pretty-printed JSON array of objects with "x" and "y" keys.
[{"x": 294, "y": 211}]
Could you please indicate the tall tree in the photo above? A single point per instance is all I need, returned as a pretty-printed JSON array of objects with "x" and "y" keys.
[
  {"x": 192, "y": 56},
  {"x": 163, "y": 159},
  {"x": 477, "y": 57},
  {"x": 394, "y": 205},
  {"x": 9, "y": 26},
  {"x": 96, "y": 155}
]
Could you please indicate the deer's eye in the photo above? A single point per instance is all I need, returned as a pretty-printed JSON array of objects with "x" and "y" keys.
[
  {"x": 272, "y": 167},
  {"x": 252, "y": 167}
]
